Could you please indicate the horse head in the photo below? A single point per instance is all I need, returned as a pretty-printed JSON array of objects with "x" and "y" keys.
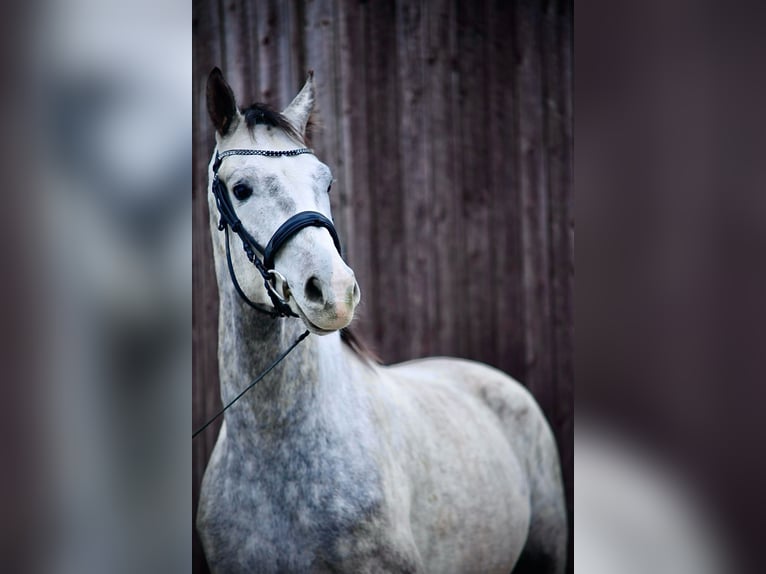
[{"x": 273, "y": 192}]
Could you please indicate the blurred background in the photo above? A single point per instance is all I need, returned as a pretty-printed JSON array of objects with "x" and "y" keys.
[
  {"x": 448, "y": 127},
  {"x": 671, "y": 208},
  {"x": 98, "y": 131}
]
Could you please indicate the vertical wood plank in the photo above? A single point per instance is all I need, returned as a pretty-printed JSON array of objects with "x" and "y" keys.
[
  {"x": 506, "y": 224},
  {"x": 236, "y": 59},
  {"x": 322, "y": 55},
  {"x": 266, "y": 39},
  {"x": 440, "y": 60},
  {"x": 288, "y": 84},
  {"x": 385, "y": 181},
  {"x": 475, "y": 266},
  {"x": 297, "y": 47},
  {"x": 559, "y": 121},
  {"x": 248, "y": 47},
  {"x": 355, "y": 174},
  {"x": 556, "y": 148},
  {"x": 414, "y": 151},
  {"x": 205, "y": 395},
  {"x": 457, "y": 242},
  {"x": 534, "y": 206}
]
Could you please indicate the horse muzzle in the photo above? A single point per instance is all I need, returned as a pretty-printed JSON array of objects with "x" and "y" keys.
[{"x": 327, "y": 304}]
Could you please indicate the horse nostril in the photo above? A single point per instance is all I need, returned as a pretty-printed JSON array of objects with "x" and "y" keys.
[{"x": 314, "y": 290}]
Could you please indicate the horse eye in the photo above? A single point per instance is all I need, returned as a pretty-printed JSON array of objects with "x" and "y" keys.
[
  {"x": 329, "y": 187},
  {"x": 242, "y": 191}
]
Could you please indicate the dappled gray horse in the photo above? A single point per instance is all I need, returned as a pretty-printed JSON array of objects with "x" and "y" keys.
[{"x": 334, "y": 463}]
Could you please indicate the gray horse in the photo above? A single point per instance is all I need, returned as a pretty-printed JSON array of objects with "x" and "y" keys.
[{"x": 334, "y": 463}]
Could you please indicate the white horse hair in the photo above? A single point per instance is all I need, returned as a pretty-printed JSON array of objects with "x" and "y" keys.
[{"x": 334, "y": 463}]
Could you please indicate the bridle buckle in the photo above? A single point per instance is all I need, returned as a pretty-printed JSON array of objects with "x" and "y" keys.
[{"x": 271, "y": 286}]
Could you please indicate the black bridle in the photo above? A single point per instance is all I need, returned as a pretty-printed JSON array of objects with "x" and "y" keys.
[
  {"x": 229, "y": 220},
  {"x": 289, "y": 228}
]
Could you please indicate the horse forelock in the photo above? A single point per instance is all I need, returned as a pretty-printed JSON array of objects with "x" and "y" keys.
[{"x": 263, "y": 114}]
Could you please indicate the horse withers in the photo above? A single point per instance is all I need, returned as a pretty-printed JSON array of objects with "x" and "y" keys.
[{"x": 333, "y": 463}]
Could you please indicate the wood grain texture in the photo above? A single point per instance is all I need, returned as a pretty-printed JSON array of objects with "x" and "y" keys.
[
  {"x": 414, "y": 152},
  {"x": 440, "y": 57},
  {"x": 208, "y": 52},
  {"x": 448, "y": 127},
  {"x": 503, "y": 131},
  {"x": 355, "y": 126}
]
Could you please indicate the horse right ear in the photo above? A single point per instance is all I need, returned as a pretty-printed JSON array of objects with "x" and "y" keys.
[
  {"x": 221, "y": 104},
  {"x": 299, "y": 110}
]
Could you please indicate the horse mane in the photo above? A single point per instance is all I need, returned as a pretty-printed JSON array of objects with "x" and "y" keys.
[{"x": 358, "y": 346}]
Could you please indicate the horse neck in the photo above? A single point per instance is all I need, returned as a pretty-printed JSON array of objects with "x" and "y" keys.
[{"x": 311, "y": 381}]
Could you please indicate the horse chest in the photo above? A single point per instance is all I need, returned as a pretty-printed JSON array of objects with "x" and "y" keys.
[{"x": 291, "y": 509}]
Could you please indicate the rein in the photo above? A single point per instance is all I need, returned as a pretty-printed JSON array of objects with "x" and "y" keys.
[{"x": 252, "y": 248}]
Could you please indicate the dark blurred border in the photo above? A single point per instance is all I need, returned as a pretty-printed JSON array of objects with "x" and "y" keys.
[
  {"x": 670, "y": 208},
  {"x": 95, "y": 298}
]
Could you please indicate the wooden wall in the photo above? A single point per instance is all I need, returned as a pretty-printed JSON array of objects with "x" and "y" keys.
[{"x": 448, "y": 126}]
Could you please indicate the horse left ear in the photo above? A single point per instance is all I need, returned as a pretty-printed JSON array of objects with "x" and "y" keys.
[
  {"x": 221, "y": 104},
  {"x": 299, "y": 110}
]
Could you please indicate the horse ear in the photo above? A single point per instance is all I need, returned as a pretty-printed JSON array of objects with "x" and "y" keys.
[
  {"x": 299, "y": 110},
  {"x": 221, "y": 104}
]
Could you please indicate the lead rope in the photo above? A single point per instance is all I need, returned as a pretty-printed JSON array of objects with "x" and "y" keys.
[{"x": 251, "y": 385}]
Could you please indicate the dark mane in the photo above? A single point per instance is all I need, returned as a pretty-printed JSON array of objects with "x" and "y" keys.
[
  {"x": 353, "y": 342},
  {"x": 263, "y": 114}
]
